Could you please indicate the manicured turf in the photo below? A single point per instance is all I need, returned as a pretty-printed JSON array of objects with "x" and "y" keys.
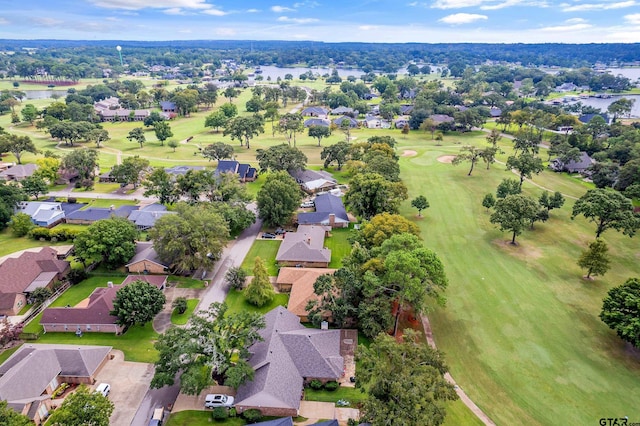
[
  {"x": 10, "y": 244},
  {"x": 237, "y": 303},
  {"x": 339, "y": 245},
  {"x": 353, "y": 395},
  {"x": 266, "y": 250},
  {"x": 521, "y": 329},
  {"x": 199, "y": 418},
  {"x": 186, "y": 282},
  {"x": 181, "y": 319}
]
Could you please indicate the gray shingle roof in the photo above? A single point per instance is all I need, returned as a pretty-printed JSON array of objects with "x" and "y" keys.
[
  {"x": 304, "y": 245},
  {"x": 145, "y": 251},
  {"x": 329, "y": 203}
]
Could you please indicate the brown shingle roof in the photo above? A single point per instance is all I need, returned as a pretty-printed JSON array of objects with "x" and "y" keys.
[
  {"x": 17, "y": 274},
  {"x": 301, "y": 280}
]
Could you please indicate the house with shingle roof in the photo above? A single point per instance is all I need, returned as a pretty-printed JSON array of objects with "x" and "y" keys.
[
  {"x": 245, "y": 172},
  {"x": 168, "y": 106},
  {"x": 299, "y": 283},
  {"x": 20, "y": 275},
  {"x": 441, "y": 118},
  {"x": 315, "y": 111},
  {"x": 330, "y": 211},
  {"x": 18, "y": 172},
  {"x": 312, "y": 181},
  {"x": 288, "y": 355},
  {"x": 321, "y": 122},
  {"x": 182, "y": 170},
  {"x": 580, "y": 166},
  {"x": 42, "y": 213},
  {"x": 341, "y": 110},
  {"x": 29, "y": 377},
  {"x": 94, "y": 214},
  {"x": 353, "y": 123},
  {"x": 305, "y": 247},
  {"x": 94, "y": 314},
  {"x": 145, "y": 218},
  {"x": 146, "y": 260}
]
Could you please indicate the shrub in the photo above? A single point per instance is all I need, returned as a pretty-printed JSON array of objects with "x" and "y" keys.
[
  {"x": 232, "y": 412},
  {"x": 315, "y": 384},
  {"x": 39, "y": 233},
  {"x": 252, "y": 415},
  {"x": 331, "y": 386},
  {"x": 180, "y": 304},
  {"x": 236, "y": 277},
  {"x": 76, "y": 275},
  {"x": 219, "y": 414}
]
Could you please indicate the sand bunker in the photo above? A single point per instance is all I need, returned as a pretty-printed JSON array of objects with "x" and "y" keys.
[
  {"x": 446, "y": 158},
  {"x": 409, "y": 153}
]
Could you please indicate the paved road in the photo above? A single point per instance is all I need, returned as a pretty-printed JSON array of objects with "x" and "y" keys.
[{"x": 155, "y": 398}]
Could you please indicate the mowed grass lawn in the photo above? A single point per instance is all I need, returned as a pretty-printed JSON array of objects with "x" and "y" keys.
[
  {"x": 10, "y": 243},
  {"x": 237, "y": 303},
  {"x": 266, "y": 250},
  {"x": 181, "y": 319},
  {"x": 136, "y": 343},
  {"x": 521, "y": 330}
]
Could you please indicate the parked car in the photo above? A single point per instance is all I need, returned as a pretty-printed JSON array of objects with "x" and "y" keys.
[
  {"x": 280, "y": 231},
  {"x": 268, "y": 235},
  {"x": 218, "y": 400},
  {"x": 307, "y": 204},
  {"x": 158, "y": 417},
  {"x": 104, "y": 389}
]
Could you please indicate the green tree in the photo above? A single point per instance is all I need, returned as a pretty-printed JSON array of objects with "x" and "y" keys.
[
  {"x": 508, "y": 187},
  {"x": 319, "y": 132},
  {"x": 180, "y": 305},
  {"x": 259, "y": 292},
  {"x": 468, "y": 153},
  {"x": 621, "y": 310},
  {"x": 29, "y": 113},
  {"x": 244, "y": 128},
  {"x": 83, "y": 407},
  {"x": 370, "y": 194},
  {"x": 152, "y": 118},
  {"x": 513, "y": 213},
  {"x": 236, "y": 277},
  {"x": 494, "y": 137},
  {"x": 99, "y": 136},
  {"x": 48, "y": 168},
  {"x": 550, "y": 202},
  {"x": 84, "y": 162},
  {"x": 191, "y": 239},
  {"x": 10, "y": 196},
  {"x": 620, "y": 107},
  {"x": 213, "y": 342},
  {"x": 383, "y": 226},
  {"x": 137, "y": 135},
  {"x": 161, "y": 184},
  {"x": 420, "y": 203},
  {"x": 229, "y": 110},
  {"x": 34, "y": 185},
  {"x": 281, "y": 158},
  {"x": 110, "y": 241},
  {"x": 337, "y": 153},
  {"x": 278, "y": 198},
  {"x": 21, "y": 224},
  {"x": 290, "y": 124},
  {"x": 162, "y": 130},
  {"x": 17, "y": 145},
  {"x": 130, "y": 171},
  {"x": 173, "y": 144},
  {"x": 488, "y": 201},
  {"x": 217, "y": 151},
  {"x": 216, "y": 119},
  {"x": 525, "y": 164},
  {"x": 387, "y": 369},
  {"x": 608, "y": 209},
  {"x": 595, "y": 259},
  {"x": 40, "y": 295},
  {"x": 10, "y": 417},
  {"x": 137, "y": 303}
]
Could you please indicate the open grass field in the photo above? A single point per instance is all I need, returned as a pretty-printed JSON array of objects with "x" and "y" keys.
[{"x": 521, "y": 329}]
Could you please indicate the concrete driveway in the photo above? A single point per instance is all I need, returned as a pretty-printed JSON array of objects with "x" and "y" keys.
[{"x": 129, "y": 383}]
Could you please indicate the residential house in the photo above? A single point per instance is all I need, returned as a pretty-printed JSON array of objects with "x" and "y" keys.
[
  {"x": 18, "y": 172},
  {"x": 22, "y": 273},
  {"x": 288, "y": 355},
  {"x": 495, "y": 112},
  {"x": 182, "y": 170},
  {"x": 145, "y": 218},
  {"x": 441, "y": 118},
  {"x": 401, "y": 122},
  {"x": 304, "y": 248},
  {"x": 107, "y": 103},
  {"x": 342, "y": 110},
  {"x": 42, "y": 213},
  {"x": 312, "y": 181},
  {"x": 330, "y": 212},
  {"x": 146, "y": 260},
  {"x": 288, "y": 421},
  {"x": 168, "y": 107},
  {"x": 586, "y": 118},
  {"x": 566, "y": 87},
  {"x": 29, "y": 377},
  {"x": 376, "y": 123},
  {"x": 315, "y": 111},
  {"x": 370, "y": 96},
  {"x": 299, "y": 282},
  {"x": 353, "y": 123},
  {"x": 106, "y": 177},
  {"x": 245, "y": 172},
  {"x": 94, "y": 214},
  {"x": 93, "y": 315},
  {"x": 406, "y": 109},
  {"x": 580, "y": 166},
  {"x": 322, "y": 122}
]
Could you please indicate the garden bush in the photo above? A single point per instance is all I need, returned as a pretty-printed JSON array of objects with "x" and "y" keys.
[
  {"x": 39, "y": 233},
  {"x": 252, "y": 415},
  {"x": 315, "y": 384},
  {"x": 219, "y": 414},
  {"x": 331, "y": 386}
]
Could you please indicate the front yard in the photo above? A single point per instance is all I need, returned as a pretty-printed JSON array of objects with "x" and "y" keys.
[{"x": 237, "y": 303}]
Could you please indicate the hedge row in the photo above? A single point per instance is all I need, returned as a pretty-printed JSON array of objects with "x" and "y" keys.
[{"x": 53, "y": 234}]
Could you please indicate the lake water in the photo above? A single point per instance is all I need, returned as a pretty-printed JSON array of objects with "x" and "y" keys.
[
  {"x": 632, "y": 74},
  {"x": 44, "y": 94},
  {"x": 603, "y": 104},
  {"x": 275, "y": 72}
]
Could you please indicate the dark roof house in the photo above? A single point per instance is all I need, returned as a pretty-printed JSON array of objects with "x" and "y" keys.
[
  {"x": 146, "y": 217},
  {"x": 288, "y": 355},
  {"x": 305, "y": 247},
  {"x": 93, "y": 214},
  {"x": 580, "y": 166},
  {"x": 322, "y": 122},
  {"x": 313, "y": 181},
  {"x": 245, "y": 172},
  {"x": 353, "y": 123},
  {"x": 330, "y": 211},
  {"x": 314, "y": 111},
  {"x": 18, "y": 172}
]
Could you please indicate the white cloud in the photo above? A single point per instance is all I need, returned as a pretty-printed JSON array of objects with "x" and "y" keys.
[
  {"x": 463, "y": 18},
  {"x": 281, "y": 9},
  {"x": 566, "y": 28},
  {"x": 225, "y": 31},
  {"x": 154, "y": 4},
  {"x": 3, "y": 21},
  {"x": 455, "y": 4},
  {"x": 174, "y": 11},
  {"x": 112, "y": 19},
  {"x": 510, "y": 3},
  {"x": 599, "y": 6},
  {"x": 297, "y": 20},
  {"x": 214, "y": 12},
  {"x": 633, "y": 19},
  {"x": 368, "y": 27},
  {"x": 623, "y": 37},
  {"x": 575, "y": 21},
  {"x": 48, "y": 22},
  {"x": 309, "y": 4},
  {"x": 253, "y": 10}
]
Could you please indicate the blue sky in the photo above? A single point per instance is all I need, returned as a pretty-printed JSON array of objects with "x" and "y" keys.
[{"x": 499, "y": 21}]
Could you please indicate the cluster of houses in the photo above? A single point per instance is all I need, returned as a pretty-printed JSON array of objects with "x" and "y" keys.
[{"x": 109, "y": 109}]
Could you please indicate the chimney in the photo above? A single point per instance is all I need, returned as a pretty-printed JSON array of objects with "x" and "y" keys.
[{"x": 332, "y": 220}]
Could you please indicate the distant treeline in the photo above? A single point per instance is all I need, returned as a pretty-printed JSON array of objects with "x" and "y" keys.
[{"x": 386, "y": 57}]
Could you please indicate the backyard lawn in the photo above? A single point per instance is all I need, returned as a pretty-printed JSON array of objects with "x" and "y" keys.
[
  {"x": 339, "y": 245},
  {"x": 266, "y": 250},
  {"x": 521, "y": 330},
  {"x": 11, "y": 244},
  {"x": 237, "y": 303}
]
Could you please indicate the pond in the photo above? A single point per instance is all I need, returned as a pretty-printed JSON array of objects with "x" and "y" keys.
[
  {"x": 603, "y": 104},
  {"x": 44, "y": 94}
]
